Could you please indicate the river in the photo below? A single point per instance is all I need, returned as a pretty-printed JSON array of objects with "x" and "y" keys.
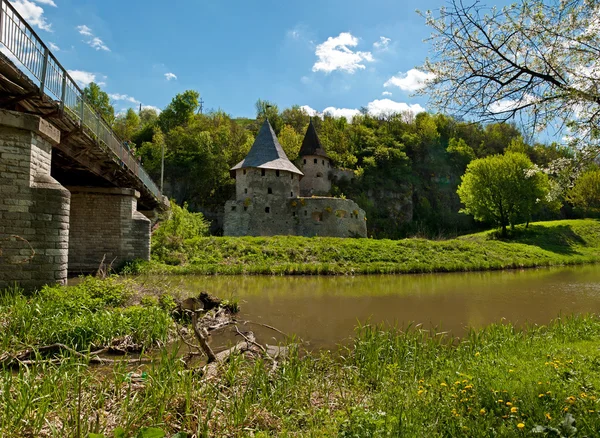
[{"x": 324, "y": 311}]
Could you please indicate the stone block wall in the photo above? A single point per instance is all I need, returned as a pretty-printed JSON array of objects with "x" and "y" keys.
[
  {"x": 316, "y": 171},
  {"x": 105, "y": 225},
  {"x": 267, "y": 184},
  {"x": 34, "y": 208},
  {"x": 332, "y": 217}
]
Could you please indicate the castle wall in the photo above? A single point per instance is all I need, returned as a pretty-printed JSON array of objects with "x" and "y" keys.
[
  {"x": 332, "y": 217},
  {"x": 316, "y": 175},
  {"x": 257, "y": 183}
]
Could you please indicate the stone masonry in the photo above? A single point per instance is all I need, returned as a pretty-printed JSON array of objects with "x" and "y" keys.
[
  {"x": 34, "y": 208},
  {"x": 105, "y": 225}
]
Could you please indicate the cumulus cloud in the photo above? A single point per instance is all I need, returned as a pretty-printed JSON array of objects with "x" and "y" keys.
[
  {"x": 386, "y": 93},
  {"x": 375, "y": 108},
  {"x": 125, "y": 97},
  {"x": 92, "y": 40},
  {"x": 412, "y": 80},
  {"x": 382, "y": 107},
  {"x": 170, "y": 76},
  {"x": 335, "y": 54},
  {"x": 53, "y": 46},
  {"x": 32, "y": 13},
  {"x": 155, "y": 108},
  {"x": 83, "y": 78},
  {"x": 382, "y": 44}
]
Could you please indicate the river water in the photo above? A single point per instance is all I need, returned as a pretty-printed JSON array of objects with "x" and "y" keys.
[{"x": 324, "y": 311}]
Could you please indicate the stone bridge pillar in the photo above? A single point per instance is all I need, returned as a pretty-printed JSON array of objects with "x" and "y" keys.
[
  {"x": 105, "y": 225},
  {"x": 34, "y": 207}
]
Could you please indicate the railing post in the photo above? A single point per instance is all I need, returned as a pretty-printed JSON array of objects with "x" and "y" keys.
[
  {"x": 44, "y": 68},
  {"x": 63, "y": 93}
]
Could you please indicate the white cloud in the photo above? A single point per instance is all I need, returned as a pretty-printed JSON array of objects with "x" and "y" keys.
[
  {"x": 170, "y": 76},
  {"x": 53, "y": 46},
  {"x": 310, "y": 111},
  {"x": 380, "y": 107},
  {"x": 84, "y": 30},
  {"x": 334, "y": 54},
  {"x": 305, "y": 80},
  {"x": 46, "y": 2},
  {"x": 412, "y": 80},
  {"x": 155, "y": 108},
  {"x": 382, "y": 44},
  {"x": 83, "y": 78},
  {"x": 336, "y": 113},
  {"x": 92, "y": 41},
  {"x": 32, "y": 13},
  {"x": 386, "y": 93},
  {"x": 125, "y": 97}
]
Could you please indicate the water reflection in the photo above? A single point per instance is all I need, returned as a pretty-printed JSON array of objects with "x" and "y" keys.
[{"x": 325, "y": 310}]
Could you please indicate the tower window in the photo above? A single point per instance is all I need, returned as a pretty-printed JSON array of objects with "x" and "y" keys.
[
  {"x": 323, "y": 162},
  {"x": 294, "y": 213},
  {"x": 316, "y": 161},
  {"x": 245, "y": 190},
  {"x": 233, "y": 208},
  {"x": 319, "y": 175},
  {"x": 277, "y": 173},
  {"x": 305, "y": 213},
  {"x": 292, "y": 175},
  {"x": 262, "y": 172},
  {"x": 269, "y": 190},
  {"x": 245, "y": 208},
  {"x": 292, "y": 194},
  {"x": 305, "y": 161},
  {"x": 267, "y": 209}
]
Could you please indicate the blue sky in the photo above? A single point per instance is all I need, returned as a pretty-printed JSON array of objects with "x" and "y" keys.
[{"x": 328, "y": 54}]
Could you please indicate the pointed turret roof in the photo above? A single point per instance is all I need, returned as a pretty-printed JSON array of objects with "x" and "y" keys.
[
  {"x": 311, "y": 145},
  {"x": 266, "y": 153}
]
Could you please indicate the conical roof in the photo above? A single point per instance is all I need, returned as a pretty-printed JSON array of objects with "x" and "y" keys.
[
  {"x": 311, "y": 145},
  {"x": 266, "y": 153}
]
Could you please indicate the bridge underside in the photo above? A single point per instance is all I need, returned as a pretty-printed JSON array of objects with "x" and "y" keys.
[{"x": 49, "y": 230}]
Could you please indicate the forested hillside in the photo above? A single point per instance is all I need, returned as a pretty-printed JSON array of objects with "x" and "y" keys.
[{"x": 407, "y": 167}]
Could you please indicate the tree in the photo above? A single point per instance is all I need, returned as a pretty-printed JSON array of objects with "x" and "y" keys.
[
  {"x": 99, "y": 100},
  {"x": 585, "y": 194},
  {"x": 127, "y": 124},
  {"x": 503, "y": 189},
  {"x": 148, "y": 116},
  {"x": 268, "y": 110},
  {"x": 536, "y": 59},
  {"x": 179, "y": 111}
]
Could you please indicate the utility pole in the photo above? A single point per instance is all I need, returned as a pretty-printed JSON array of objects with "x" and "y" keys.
[
  {"x": 162, "y": 166},
  {"x": 201, "y": 106}
]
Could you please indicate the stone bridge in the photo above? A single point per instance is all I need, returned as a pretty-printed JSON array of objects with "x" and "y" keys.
[{"x": 71, "y": 194}]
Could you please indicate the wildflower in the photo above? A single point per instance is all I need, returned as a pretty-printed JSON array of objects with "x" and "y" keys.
[
  {"x": 420, "y": 391},
  {"x": 539, "y": 383},
  {"x": 457, "y": 382},
  {"x": 565, "y": 409},
  {"x": 443, "y": 384},
  {"x": 583, "y": 395},
  {"x": 482, "y": 411},
  {"x": 520, "y": 425},
  {"x": 591, "y": 411},
  {"x": 500, "y": 401},
  {"x": 548, "y": 417},
  {"x": 511, "y": 371},
  {"x": 541, "y": 395},
  {"x": 508, "y": 404},
  {"x": 477, "y": 354},
  {"x": 469, "y": 387},
  {"x": 571, "y": 400},
  {"x": 514, "y": 409}
]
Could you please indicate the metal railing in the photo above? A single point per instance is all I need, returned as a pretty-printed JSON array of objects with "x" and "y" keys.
[{"x": 29, "y": 50}]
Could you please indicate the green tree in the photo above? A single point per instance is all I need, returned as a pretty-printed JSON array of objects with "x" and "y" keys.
[
  {"x": 585, "y": 194},
  {"x": 179, "y": 111},
  {"x": 503, "y": 189},
  {"x": 148, "y": 116},
  {"x": 100, "y": 101},
  {"x": 127, "y": 124},
  {"x": 291, "y": 141},
  {"x": 268, "y": 110}
]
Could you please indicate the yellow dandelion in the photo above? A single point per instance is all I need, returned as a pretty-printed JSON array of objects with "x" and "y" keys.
[
  {"x": 482, "y": 411},
  {"x": 541, "y": 395},
  {"x": 548, "y": 417},
  {"x": 571, "y": 400},
  {"x": 505, "y": 416},
  {"x": 469, "y": 387},
  {"x": 583, "y": 395},
  {"x": 500, "y": 401},
  {"x": 508, "y": 404},
  {"x": 443, "y": 384},
  {"x": 520, "y": 425},
  {"x": 566, "y": 408},
  {"x": 420, "y": 391},
  {"x": 514, "y": 409},
  {"x": 539, "y": 383},
  {"x": 591, "y": 411},
  {"x": 457, "y": 382},
  {"x": 511, "y": 371},
  {"x": 477, "y": 354}
]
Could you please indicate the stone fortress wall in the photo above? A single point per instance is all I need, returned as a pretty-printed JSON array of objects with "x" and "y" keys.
[{"x": 316, "y": 175}]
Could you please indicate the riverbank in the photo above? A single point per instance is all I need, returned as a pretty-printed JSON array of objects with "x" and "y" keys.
[
  {"x": 497, "y": 381},
  {"x": 553, "y": 243}
]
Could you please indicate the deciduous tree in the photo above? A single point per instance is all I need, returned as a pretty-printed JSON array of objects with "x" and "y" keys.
[{"x": 100, "y": 101}]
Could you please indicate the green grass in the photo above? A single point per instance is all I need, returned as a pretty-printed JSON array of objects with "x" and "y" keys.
[
  {"x": 542, "y": 244},
  {"x": 389, "y": 383}
]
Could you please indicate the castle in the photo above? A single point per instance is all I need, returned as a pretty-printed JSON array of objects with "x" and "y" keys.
[{"x": 274, "y": 197}]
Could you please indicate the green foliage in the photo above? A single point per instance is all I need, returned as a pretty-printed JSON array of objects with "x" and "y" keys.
[
  {"x": 100, "y": 101},
  {"x": 179, "y": 111},
  {"x": 172, "y": 235},
  {"x": 126, "y": 125},
  {"x": 503, "y": 189},
  {"x": 585, "y": 194}
]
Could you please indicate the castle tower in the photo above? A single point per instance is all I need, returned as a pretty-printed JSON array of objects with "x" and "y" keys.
[
  {"x": 315, "y": 164},
  {"x": 266, "y": 172}
]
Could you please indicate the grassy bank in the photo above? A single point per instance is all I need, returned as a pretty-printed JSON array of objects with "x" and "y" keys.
[
  {"x": 494, "y": 382},
  {"x": 542, "y": 244}
]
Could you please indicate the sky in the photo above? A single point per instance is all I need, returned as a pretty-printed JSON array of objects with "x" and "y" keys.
[{"x": 328, "y": 55}]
